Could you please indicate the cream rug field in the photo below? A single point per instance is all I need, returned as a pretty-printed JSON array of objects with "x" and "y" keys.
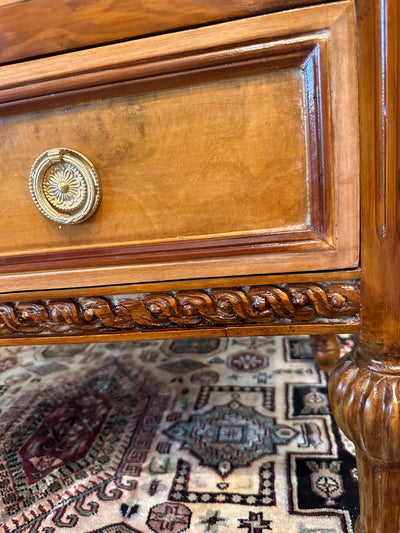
[{"x": 205, "y": 435}]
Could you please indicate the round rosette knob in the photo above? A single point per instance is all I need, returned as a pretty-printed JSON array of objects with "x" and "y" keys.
[{"x": 65, "y": 186}]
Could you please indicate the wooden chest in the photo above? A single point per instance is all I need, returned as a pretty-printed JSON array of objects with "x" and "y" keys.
[{"x": 210, "y": 168}]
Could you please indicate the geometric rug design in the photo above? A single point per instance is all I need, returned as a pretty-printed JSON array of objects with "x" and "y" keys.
[
  {"x": 232, "y": 435},
  {"x": 202, "y": 435}
]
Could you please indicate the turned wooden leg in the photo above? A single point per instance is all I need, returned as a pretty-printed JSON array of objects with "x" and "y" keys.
[
  {"x": 326, "y": 350},
  {"x": 364, "y": 390}
]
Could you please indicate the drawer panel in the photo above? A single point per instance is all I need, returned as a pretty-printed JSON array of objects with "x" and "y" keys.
[
  {"x": 207, "y": 160},
  {"x": 227, "y": 150}
]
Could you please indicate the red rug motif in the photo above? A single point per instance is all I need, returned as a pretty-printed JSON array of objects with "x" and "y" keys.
[{"x": 204, "y": 435}]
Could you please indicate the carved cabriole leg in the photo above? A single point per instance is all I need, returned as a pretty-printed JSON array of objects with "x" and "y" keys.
[
  {"x": 326, "y": 350},
  {"x": 364, "y": 390}
]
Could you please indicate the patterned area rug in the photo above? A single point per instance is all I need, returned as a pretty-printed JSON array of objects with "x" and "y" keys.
[{"x": 205, "y": 435}]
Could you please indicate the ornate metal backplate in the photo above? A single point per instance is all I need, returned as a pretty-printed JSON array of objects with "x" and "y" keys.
[{"x": 65, "y": 186}]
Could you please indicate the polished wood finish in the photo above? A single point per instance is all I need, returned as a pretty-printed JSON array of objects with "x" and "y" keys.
[
  {"x": 173, "y": 333},
  {"x": 188, "y": 284},
  {"x": 184, "y": 161},
  {"x": 326, "y": 350},
  {"x": 261, "y": 307},
  {"x": 78, "y": 24},
  {"x": 380, "y": 163},
  {"x": 158, "y": 277},
  {"x": 365, "y": 385},
  {"x": 365, "y": 390}
]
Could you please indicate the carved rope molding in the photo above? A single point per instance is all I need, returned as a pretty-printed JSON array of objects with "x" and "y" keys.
[{"x": 318, "y": 303}]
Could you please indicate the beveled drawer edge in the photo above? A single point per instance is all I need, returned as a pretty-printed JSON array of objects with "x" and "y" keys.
[
  {"x": 109, "y": 65},
  {"x": 184, "y": 285}
]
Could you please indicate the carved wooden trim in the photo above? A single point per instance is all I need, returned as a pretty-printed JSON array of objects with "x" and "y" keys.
[
  {"x": 284, "y": 304},
  {"x": 365, "y": 391},
  {"x": 326, "y": 350}
]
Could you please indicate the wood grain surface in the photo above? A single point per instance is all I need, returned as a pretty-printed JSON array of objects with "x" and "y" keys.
[
  {"x": 167, "y": 77},
  {"x": 188, "y": 284},
  {"x": 33, "y": 27},
  {"x": 380, "y": 157},
  {"x": 174, "y": 164},
  {"x": 216, "y": 142},
  {"x": 365, "y": 385}
]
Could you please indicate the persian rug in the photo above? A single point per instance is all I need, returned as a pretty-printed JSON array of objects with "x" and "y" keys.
[{"x": 204, "y": 435}]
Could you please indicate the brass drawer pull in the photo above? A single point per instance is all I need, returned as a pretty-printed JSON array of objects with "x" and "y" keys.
[{"x": 65, "y": 186}]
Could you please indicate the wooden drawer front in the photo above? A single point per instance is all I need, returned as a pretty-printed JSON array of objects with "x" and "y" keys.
[
  {"x": 29, "y": 29},
  {"x": 229, "y": 150}
]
